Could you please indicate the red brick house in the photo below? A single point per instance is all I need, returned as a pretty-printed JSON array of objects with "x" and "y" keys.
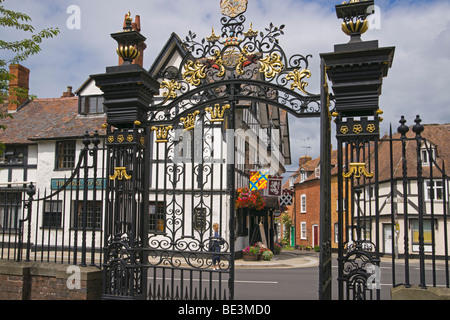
[{"x": 305, "y": 210}]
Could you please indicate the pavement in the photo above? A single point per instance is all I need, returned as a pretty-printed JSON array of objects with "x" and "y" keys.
[{"x": 286, "y": 259}]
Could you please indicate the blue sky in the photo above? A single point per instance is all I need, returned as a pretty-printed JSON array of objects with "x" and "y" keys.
[{"x": 416, "y": 84}]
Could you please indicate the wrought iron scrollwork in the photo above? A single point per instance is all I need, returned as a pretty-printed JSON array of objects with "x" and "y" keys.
[{"x": 251, "y": 62}]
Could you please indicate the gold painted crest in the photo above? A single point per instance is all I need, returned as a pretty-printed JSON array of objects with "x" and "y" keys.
[{"x": 233, "y": 8}]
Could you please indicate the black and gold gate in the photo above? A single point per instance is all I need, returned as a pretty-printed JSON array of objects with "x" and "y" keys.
[
  {"x": 172, "y": 162},
  {"x": 173, "y": 178}
]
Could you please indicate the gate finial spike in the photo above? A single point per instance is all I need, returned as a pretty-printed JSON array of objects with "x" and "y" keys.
[
  {"x": 418, "y": 128},
  {"x": 403, "y": 129}
]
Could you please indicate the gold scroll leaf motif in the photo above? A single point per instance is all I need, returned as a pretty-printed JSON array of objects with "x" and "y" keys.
[
  {"x": 217, "y": 113},
  {"x": 120, "y": 173},
  {"x": 297, "y": 76},
  {"x": 189, "y": 120},
  {"x": 161, "y": 133},
  {"x": 171, "y": 87},
  {"x": 271, "y": 65},
  {"x": 195, "y": 71},
  {"x": 358, "y": 169}
]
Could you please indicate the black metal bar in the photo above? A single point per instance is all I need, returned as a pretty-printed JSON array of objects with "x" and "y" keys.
[
  {"x": 394, "y": 208},
  {"x": 418, "y": 129},
  {"x": 403, "y": 130},
  {"x": 325, "y": 263},
  {"x": 445, "y": 194},
  {"x": 231, "y": 181},
  {"x": 432, "y": 193},
  {"x": 340, "y": 224}
]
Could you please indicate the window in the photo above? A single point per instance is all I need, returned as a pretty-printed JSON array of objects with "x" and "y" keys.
[
  {"x": 303, "y": 175},
  {"x": 303, "y": 203},
  {"x": 52, "y": 217},
  {"x": 10, "y": 207},
  {"x": 13, "y": 155},
  {"x": 91, "y": 105},
  {"x": 317, "y": 172},
  {"x": 65, "y": 155},
  {"x": 427, "y": 237},
  {"x": 336, "y": 233},
  {"x": 427, "y": 156},
  {"x": 303, "y": 231},
  {"x": 93, "y": 215},
  {"x": 156, "y": 217},
  {"x": 434, "y": 190}
]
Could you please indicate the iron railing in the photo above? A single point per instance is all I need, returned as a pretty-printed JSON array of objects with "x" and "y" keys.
[{"x": 63, "y": 225}]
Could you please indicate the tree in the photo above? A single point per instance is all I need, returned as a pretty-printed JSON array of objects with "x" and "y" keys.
[{"x": 20, "y": 50}]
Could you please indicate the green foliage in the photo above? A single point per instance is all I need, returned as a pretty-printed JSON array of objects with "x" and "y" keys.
[{"x": 20, "y": 50}]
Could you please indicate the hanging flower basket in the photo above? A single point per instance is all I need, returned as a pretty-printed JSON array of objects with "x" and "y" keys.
[{"x": 250, "y": 199}]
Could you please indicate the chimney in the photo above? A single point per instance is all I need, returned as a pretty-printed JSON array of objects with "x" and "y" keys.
[
  {"x": 304, "y": 160},
  {"x": 20, "y": 80},
  {"x": 136, "y": 25},
  {"x": 68, "y": 93}
]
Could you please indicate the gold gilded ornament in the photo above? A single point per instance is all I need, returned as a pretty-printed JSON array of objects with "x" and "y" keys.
[
  {"x": 195, "y": 71},
  {"x": 357, "y": 170},
  {"x": 189, "y": 120},
  {"x": 233, "y": 8},
  {"x": 271, "y": 65},
  {"x": 161, "y": 133},
  {"x": 171, "y": 86},
  {"x": 217, "y": 114},
  {"x": 297, "y": 76},
  {"x": 120, "y": 173}
]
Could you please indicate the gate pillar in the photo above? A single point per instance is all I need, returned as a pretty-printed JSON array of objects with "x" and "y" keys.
[
  {"x": 356, "y": 70},
  {"x": 128, "y": 91}
]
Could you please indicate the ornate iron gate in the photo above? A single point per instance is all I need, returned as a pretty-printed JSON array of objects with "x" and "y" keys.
[{"x": 172, "y": 166}]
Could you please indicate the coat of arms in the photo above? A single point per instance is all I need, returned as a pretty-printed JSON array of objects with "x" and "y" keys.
[{"x": 233, "y": 8}]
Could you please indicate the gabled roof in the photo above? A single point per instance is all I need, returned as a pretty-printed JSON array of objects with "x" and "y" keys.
[
  {"x": 47, "y": 119},
  {"x": 173, "y": 45},
  {"x": 436, "y": 134}
]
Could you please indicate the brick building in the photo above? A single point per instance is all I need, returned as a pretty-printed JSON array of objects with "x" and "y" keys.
[{"x": 305, "y": 210}]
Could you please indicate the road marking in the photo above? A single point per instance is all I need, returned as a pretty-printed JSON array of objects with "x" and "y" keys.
[{"x": 257, "y": 282}]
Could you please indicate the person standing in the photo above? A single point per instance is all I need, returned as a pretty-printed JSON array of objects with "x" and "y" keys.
[{"x": 215, "y": 247}]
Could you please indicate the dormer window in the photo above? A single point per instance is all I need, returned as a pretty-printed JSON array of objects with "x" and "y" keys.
[
  {"x": 427, "y": 155},
  {"x": 91, "y": 105},
  {"x": 303, "y": 175}
]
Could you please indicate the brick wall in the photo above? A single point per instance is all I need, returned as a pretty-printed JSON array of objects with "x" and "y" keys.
[{"x": 45, "y": 281}]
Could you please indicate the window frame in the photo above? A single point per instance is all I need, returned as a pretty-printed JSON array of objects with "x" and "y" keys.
[
  {"x": 13, "y": 205},
  {"x": 85, "y": 102},
  {"x": 303, "y": 203},
  {"x": 93, "y": 218},
  {"x": 68, "y": 164},
  {"x": 48, "y": 222},
  {"x": 303, "y": 231},
  {"x": 157, "y": 217}
]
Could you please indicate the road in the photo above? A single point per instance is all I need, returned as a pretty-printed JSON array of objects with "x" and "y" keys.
[{"x": 302, "y": 283}]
